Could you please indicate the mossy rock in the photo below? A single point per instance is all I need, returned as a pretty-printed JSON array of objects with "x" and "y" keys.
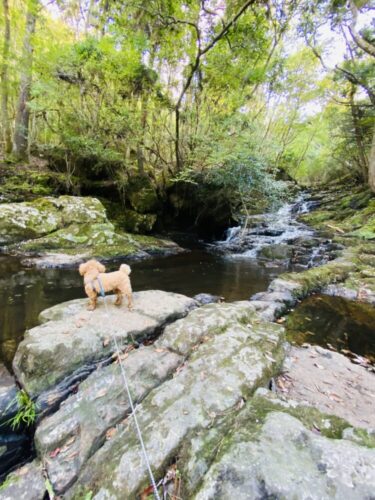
[
  {"x": 28, "y": 220},
  {"x": 142, "y": 195},
  {"x": 318, "y": 277},
  {"x": 135, "y": 222}
]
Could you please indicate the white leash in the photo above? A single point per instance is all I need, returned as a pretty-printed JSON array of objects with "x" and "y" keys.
[{"x": 145, "y": 456}]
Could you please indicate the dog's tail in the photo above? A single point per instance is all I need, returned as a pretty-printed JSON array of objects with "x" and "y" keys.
[{"x": 124, "y": 268}]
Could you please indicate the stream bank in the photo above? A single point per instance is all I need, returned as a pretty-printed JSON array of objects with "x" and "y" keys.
[{"x": 203, "y": 378}]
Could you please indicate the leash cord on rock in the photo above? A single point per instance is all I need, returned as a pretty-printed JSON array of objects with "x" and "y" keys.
[{"x": 125, "y": 379}]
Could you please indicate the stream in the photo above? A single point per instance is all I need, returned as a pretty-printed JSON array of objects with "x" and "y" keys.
[{"x": 238, "y": 266}]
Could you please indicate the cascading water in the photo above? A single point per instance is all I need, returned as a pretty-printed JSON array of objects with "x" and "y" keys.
[{"x": 277, "y": 235}]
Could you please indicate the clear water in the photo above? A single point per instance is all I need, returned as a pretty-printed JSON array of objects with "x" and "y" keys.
[
  {"x": 335, "y": 323},
  {"x": 24, "y": 292}
]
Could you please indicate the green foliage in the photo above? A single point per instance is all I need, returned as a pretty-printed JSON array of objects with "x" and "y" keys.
[
  {"x": 107, "y": 83},
  {"x": 27, "y": 411}
]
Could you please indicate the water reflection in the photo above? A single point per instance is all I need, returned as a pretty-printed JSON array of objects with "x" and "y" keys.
[{"x": 334, "y": 322}]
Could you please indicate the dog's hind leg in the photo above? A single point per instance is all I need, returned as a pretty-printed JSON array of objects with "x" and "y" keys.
[{"x": 119, "y": 297}]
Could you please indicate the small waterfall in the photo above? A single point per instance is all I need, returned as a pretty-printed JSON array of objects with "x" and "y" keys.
[
  {"x": 231, "y": 233},
  {"x": 287, "y": 238}
]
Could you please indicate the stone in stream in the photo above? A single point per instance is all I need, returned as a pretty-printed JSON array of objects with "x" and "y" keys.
[
  {"x": 230, "y": 361},
  {"x": 72, "y": 337},
  {"x": 79, "y": 427},
  {"x": 26, "y": 483}
]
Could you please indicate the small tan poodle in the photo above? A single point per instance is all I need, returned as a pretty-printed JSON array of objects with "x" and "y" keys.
[{"x": 97, "y": 280}]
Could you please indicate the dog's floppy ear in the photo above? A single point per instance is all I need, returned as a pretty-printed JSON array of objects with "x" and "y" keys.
[
  {"x": 100, "y": 267},
  {"x": 82, "y": 269}
]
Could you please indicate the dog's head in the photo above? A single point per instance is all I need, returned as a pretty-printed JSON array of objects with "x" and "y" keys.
[{"x": 91, "y": 266}]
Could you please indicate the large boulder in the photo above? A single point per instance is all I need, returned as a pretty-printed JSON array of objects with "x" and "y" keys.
[
  {"x": 72, "y": 337},
  {"x": 28, "y": 220},
  {"x": 63, "y": 231},
  {"x": 86, "y": 419},
  {"x": 277, "y": 456},
  {"x": 224, "y": 366}
]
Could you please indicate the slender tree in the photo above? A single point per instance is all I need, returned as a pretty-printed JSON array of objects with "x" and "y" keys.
[
  {"x": 7, "y": 140},
  {"x": 21, "y": 127}
]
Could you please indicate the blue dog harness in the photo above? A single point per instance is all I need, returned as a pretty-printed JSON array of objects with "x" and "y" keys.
[{"x": 101, "y": 288}]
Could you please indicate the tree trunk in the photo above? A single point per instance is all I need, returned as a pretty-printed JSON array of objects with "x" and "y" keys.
[
  {"x": 177, "y": 140},
  {"x": 21, "y": 130},
  {"x": 371, "y": 165},
  {"x": 7, "y": 140},
  {"x": 362, "y": 158}
]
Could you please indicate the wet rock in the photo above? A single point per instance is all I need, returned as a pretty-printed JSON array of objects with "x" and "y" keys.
[
  {"x": 355, "y": 288},
  {"x": 207, "y": 298},
  {"x": 314, "y": 279},
  {"x": 22, "y": 221},
  {"x": 26, "y": 483},
  {"x": 281, "y": 458},
  {"x": 8, "y": 393},
  {"x": 80, "y": 426},
  {"x": 14, "y": 448},
  {"x": 228, "y": 365},
  {"x": 269, "y": 310},
  {"x": 276, "y": 252},
  {"x": 72, "y": 337},
  {"x": 328, "y": 381}
]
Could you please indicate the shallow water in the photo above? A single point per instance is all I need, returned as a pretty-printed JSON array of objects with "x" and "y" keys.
[
  {"x": 335, "y": 323},
  {"x": 24, "y": 292}
]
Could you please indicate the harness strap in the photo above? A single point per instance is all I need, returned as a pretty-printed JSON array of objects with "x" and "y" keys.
[{"x": 101, "y": 288}]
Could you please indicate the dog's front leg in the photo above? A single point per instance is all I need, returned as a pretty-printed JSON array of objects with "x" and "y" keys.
[{"x": 92, "y": 302}]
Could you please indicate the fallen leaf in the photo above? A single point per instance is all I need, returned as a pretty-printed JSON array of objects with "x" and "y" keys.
[
  {"x": 101, "y": 393},
  {"x": 55, "y": 452},
  {"x": 70, "y": 441},
  {"x": 146, "y": 492},
  {"x": 269, "y": 357},
  {"x": 110, "y": 432},
  {"x": 159, "y": 350}
]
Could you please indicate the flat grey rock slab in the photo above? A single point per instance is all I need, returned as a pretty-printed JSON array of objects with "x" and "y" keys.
[
  {"x": 26, "y": 483},
  {"x": 330, "y": 382},
  {"x": 283, "y": 459},
  {"x": 66, "y": 439},
  {"x": 71, "y": 336},
  {"x": 226, "y": 366},
  {"x": 185, "y": 333}
]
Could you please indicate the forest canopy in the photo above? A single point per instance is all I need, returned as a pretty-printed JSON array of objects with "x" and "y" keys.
[{"x": 233, "y": 94}]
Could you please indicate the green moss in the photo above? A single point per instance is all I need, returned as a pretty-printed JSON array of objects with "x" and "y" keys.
[{"x": 318, "y": 277}]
